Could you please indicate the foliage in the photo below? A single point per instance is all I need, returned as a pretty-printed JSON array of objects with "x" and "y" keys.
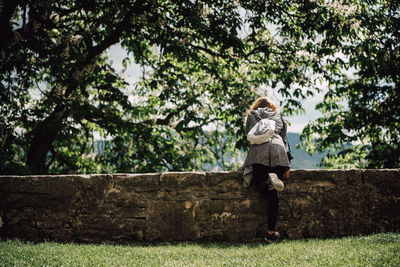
[
  {"x": 361, "y": 107},
  {"x": 374, "y": 250},
  {"x": 203, "y": 62}
]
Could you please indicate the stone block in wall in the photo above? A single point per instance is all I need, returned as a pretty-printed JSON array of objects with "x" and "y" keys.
[
  {"x": 21, "y": 191},
  {"x": 90, "y": 191},
  {"x": 334, "y": 177},
  {"x": 169, "y": 220},
  {"x": 387, "y": 181},
  {"x": 225, "y": 185},
  {"x": 182, "y": 180},
  {"x": 215, "y": 178},
  {"x": 146, "y": 182}
]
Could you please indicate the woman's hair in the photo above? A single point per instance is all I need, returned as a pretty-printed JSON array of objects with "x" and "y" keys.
[{"x": 263, "y": 102}]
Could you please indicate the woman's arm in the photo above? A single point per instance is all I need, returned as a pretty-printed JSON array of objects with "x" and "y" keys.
[
  {"x": 283, "y": 132},
  {"x": 250, "y": 122}
]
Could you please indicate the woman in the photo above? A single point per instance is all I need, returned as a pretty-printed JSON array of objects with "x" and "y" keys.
[{"x": 269, "y": 161}]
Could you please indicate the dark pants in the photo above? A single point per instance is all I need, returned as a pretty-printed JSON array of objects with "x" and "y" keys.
[{"x": 260, "y": 181}]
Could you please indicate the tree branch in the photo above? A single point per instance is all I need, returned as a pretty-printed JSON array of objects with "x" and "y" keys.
[
  {"x": 6, "y": 32},
  {"x": 208, "y": 51},
  {"x": 166, "y": 120},
  {"x": 115, "y": 36}
]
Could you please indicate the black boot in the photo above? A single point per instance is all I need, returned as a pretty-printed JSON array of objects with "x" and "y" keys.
[{"x": 275, "y": 237}]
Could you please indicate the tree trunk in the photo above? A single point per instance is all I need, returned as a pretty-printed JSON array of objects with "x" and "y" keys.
[
  {"x": 45, "y": 134},
  {"x": 6, "y": 12},
  {"x": 43, "y": 138}
]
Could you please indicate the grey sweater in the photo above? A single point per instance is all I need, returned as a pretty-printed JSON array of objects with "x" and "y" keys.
[{"x": 273, "y": 152}]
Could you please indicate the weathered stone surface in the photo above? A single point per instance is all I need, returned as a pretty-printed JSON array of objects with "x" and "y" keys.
[
  {"x": 137, "y": 182},
  {"x": 386, "y": 181},
  {"x": 182, "y": 180},
  {"x": 195, "y": 206},
  {"x": 215, "y": 178}
]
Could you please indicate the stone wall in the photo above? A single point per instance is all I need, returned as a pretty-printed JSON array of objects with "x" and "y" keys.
[{"x": 195, "y": 206}]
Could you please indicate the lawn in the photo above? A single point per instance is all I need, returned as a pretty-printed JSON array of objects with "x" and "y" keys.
[{"x": 375, "y": 250}]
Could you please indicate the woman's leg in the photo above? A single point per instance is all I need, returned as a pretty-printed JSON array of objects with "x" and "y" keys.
[
  {"x": 260, "y": 181},
  {"x": 273, "y": 199},
  {"x": 273, "y": 205},
  {"x": 279, "y": 170}
]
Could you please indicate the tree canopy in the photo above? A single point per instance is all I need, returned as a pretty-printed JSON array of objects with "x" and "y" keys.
[
  {"x": 361, "y": 109},
  {"x": 204, "y": 63}
]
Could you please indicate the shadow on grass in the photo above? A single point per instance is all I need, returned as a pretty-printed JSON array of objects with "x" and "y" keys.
[{"x": 375, "y": 238}]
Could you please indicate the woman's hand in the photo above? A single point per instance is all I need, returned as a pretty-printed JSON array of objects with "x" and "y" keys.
[{"x": 286, "y": 174}]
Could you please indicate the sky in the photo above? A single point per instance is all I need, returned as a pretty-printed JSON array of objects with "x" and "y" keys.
[{"x": 296, "y": 123}]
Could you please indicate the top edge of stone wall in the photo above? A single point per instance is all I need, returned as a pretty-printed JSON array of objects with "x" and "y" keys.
[
  {"x": 177, "y": 173},
  {"x": 179, "y": 180}
]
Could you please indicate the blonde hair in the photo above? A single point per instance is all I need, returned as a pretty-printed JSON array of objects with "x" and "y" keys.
[{"x": 264, "y": 102}]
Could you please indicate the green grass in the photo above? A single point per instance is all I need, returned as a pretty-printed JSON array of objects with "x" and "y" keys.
[{"x": 375, "y": 250}]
